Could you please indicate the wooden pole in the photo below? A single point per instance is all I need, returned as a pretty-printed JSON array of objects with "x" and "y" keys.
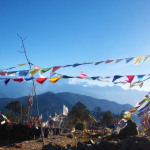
[{"x": 33, "y": 85}]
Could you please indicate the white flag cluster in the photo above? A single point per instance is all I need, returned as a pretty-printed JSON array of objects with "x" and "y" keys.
[{"x": 65, "y": 110}]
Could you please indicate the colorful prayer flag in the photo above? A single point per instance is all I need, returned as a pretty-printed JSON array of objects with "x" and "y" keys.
[
  {"x": 118, "y": 60},
  {"x": 137, "y": 60},
  {"x": 43, "y": 70},
  {"x": 41, "y": 80},
  {"x": 22, "y": 64},
  {"x": 140, "y": 77},
  {"x": 6, "y": 81},
  {"x": 98, "y": 62},
  {"x": 116, "y": 77},
  {"x": 55, "y": 68},
  {"x": 104, "y": 80},
  {"x": 130, "y": 78},
  {"x": 109, "y": 60},
  {"x": 128, "y": 59},
  {"x": 33, "y": 71},
  {"x": 53, "y": 80},
  {"x": 23, "y": 72},
  {"x": 18, "y": 80},
  {"x": 76, "y": 64},
  {"x": 146, "y": 57}
]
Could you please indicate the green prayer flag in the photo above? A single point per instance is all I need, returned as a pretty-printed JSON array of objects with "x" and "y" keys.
[
  {"x": 43, "y": 70},
  {"x": 98, "y": 62}
]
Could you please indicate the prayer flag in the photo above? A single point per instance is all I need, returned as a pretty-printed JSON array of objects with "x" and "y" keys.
[
  {"x": 23, "y": 72},
  {"x": 137, "y": 60},
  {"x": 82, "y": 76},
  {"x": 55, "y": 68},
  {"x": 6, "y": 81},
  {"x": 22, "y": 64},
  {"x": 140, "y": 77},
  {"x": 64, "y": 76},
  {"x": 128, "y": 59},
  {"x": 146, "y": 57},
  {"x": 18, "y": 80},
  {"x": 28, "y": 79},
  {"x": 88, "y": 63},
  {"x": 141, "y": 84},
  {"x": 94, "y": 78},
  {"x": 104, "y": 80},
  {"x": 41, "y": 80},
  {"x": 98, "y": 62},
  {"x": 118, "y": 60},
  {"x": 12, "y": 73},
  {"x": 53, "y": 80},
  {"x": 43, "y": 70},
  {"x": 109, "y": 60},
  {"x": 130, "y": 78},
  {"x": 52, "y": 74},
  {"x": 116, "y": 77},
  {"x": 36, "y": 67},
  {"x": 2, "y": 74},
  {"x": 33, "y": 71},
  {"x": 134, "y": 84},
  {"x": 76, "y": 64},
  {"x": 29, "y": 100},
  {"x": 67, "y": 66},
  {"x": 65, "y": 110}
]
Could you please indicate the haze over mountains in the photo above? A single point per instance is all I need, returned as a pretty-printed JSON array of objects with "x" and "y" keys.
[{"x": 114, "y": 93}]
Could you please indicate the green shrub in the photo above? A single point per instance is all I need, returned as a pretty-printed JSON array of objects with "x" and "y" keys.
[{"x": 80, "y": 126}]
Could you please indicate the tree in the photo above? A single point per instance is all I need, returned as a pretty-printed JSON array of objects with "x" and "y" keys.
[
  {"x": 15, "y": 106},
  {"x": 108, "y": 118},
  {"x": 79, "y": 114},
  {"x": 97, "y": 112}
]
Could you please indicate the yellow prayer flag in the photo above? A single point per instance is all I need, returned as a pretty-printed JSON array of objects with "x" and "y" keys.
[
  {"x": 137, "y": 60},
  {"x": 22, "y": 64},
  {"x": 104, "y": 80},
  {"x": 33, "y": 71},
  {"x": 53, "y": 80}
]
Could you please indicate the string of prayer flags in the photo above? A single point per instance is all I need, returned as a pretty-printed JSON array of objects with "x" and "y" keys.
[
  {"x": 53, "y": 80},
  {"x": 98, "y": 62},
  {"x": 6, "y": 81},
  {"x": 55, "y": 68},
  {"x": 23, "y": 73},
  {"x": 41, "y": 80},
  {"x": 137, "y": 60},
  {"x": 126, "y": 115},
  {"x": 18, "y": 80},
  {"x": 33, "y": 71},
  {"x": 130, "y": 78},
  {"x": 146, "y": 57},
  {"x": 116, "y": 77},
  {"x": 109, "y": 60},
  {"x": 128, "y": 59},
  {"x": 43, "y": 70}
]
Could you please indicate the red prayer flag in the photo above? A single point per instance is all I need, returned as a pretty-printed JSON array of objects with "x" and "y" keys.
[
  {"x": 29, "y": 100},
  {"x": 36, "y": 67},
  {"x": 19, "y": 80},
  {"x": 130, "y": 78},
  {"x": 41, "y": 80},
  {"x": 55, "y": 68},
  {"x": 109, "y": 60}
]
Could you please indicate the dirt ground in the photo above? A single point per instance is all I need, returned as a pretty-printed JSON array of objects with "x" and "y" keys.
[{"x": 37, "y": 144}]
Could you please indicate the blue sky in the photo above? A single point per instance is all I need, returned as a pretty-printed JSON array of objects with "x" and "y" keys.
[{"x": 62, "y": 32}]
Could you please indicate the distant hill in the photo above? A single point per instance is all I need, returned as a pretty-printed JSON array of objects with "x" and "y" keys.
[
  {"x": 56, "y": 101},
  {"x": 91, "y": 102}
]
